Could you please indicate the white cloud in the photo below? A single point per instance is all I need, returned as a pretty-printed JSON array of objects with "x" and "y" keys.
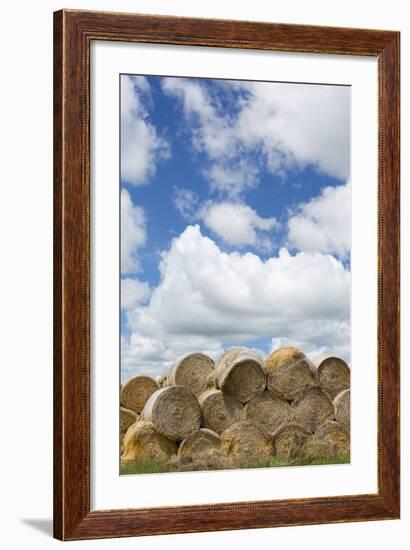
[
  {"x": 153, "y": 356},
  {"x": 207, "y": 297},
  {"x": 185, "y": 201},
  {"x": 302, "y": 124},
  {"x": 237, "y": 224},
  {"x": 232, "y": 178},
  {"x": 212, "y": 132},
  {"x": 315, "y": 338},
  {"x": 323, "y": 224},
  {"x": 133, "y": 233},
  {"x": 141, "y": 146},
  {"x": 133, "y": 292},
  {"x": 286, "y": 125}
]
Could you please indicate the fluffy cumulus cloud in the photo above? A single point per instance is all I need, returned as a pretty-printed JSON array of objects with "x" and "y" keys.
[
  {"x": 316, "y": 339},
  {"x": 207, "y": 297},
  {"x": 133, "y": 233},
  {"x": 133, "y": 293},
  {"x": 141, "y": 146},
  {"x": 286, "y": 126},
  {"x": 238, "y": 224},
  {"x": 323, "y": 224},
  {"x": 154, "y": 355},
  {"x": 303, "y": 124},
  {"x": 213, "y": 133}
]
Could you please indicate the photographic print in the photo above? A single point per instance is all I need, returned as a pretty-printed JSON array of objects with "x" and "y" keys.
[
  {"x": 235, "y": 274},
  {"x": 210, "y": 292}
]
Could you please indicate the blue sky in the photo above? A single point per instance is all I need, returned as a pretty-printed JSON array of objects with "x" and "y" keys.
[{"x": 235, "y": 202}]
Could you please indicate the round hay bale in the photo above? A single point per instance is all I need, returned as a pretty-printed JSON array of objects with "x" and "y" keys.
[
  {"x": 289, "y": 373},
  {"x": 334, "y": 375},
  {"x": 268, "y": 411},
  {"x": 211, "y": 380},
  {"x": 227, "y": 357},
  {"x": 200, "y": 442},
  {"x": 174, "y": 411},
  {"x": 142, "y": 442},
  {"x": 289, "y": 439},
  {"x": 341, "y": 404},
  {"x": 136, "y": 392},
  {"x": 335, "y": 434},
  {"x": 219, "y": 410},
  {"x": 192, "y": 371},
  {"x": 246, "y": 439},
  {"x": 127, "y": 419},
  {"x": 329, "y": 440},
  {"x": 211, "y": 459},
  {"x": 240, "y": 373},
  {"x": 313, "y": 408}
]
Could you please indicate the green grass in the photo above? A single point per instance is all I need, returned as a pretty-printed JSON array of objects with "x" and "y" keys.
[
  {"x": 277, "y": 461},
  {"x": 161, "y": 466},
  {"x": 146, "y": 467}
]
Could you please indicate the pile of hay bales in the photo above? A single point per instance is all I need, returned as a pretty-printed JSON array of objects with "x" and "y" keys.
[{"x": 238, "y": 412}]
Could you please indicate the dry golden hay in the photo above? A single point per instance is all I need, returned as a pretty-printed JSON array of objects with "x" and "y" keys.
[
  {"x": 240, "y": 373},
  {"x": 219, "y": 410},
  {"x": 200, "y": 442},
  {"x": 336, "y": 434},
  {"x": 246, "y": 439},
  {"x": 127, "y": 418},
  {"x": 142, "y": 442},
  {"x": 289, "y": 439},
  {"x": 289, "y": 373},
  {"x": 192, "y": 371},
  {"x": 334, "y": 375},
  {"x": 313, "y": 408},
  {"x": 341, "y": 405},
  {"x": 211, "y": 380},
  {"x": 136, "y": 392},
  {"x": 212, "y": 459},
  {"x": 161, "y": 379},
  {"x": 268, "y": 411},
  {"x": 330, "y": 440},
  {"x": 174, "y": 411},
  {"x": 227, "y": 357}
]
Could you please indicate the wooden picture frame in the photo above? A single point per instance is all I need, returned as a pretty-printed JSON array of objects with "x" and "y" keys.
[{"x": 74, "y": 32}]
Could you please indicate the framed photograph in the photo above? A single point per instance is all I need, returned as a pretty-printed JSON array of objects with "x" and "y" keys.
[{"x": 226, "y": 275}]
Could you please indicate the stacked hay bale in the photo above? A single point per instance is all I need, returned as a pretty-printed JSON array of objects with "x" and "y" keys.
[
  {"x": 290, "y": 373},
  {"x": 329, "y": 440},
  {"x": 136, "y": 392},
  {"x": 312, "y": 408},
  {"x": 341, "y": 405},
  {"x": 143, "y": 442},
  {"x": 239, "y": 412},
  {"x": 219, "y": 410},
  {"x": 174, "y": 412},
  {"x": 334, "y": 375},
  {"x": 246, "y": 440},
  {"x": 192, "y": 371},
  {"x": 127, "y": 419},
  {"x": 268, "y": 411},
  {"x": 240, "y": 373},
  {"x": 289, "y": 439},
  {"x": 200, "y": 442}
]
